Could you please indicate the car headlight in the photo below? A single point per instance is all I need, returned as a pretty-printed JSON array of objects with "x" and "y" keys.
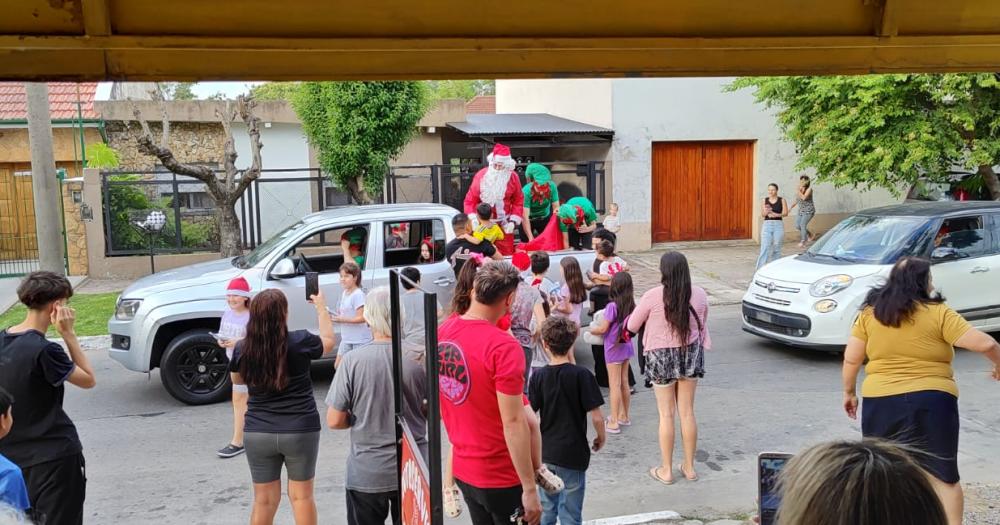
[
  {"x": 830, "y": 285},
  {"x": 127, "y": 308},
  {"x": 825, "y": 306}
]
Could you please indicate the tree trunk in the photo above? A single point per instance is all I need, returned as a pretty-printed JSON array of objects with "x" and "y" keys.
[
  {"x": 230, "y": 243},
  {"x": 356, "y": 188},
  {"x": 991, "y": 180}
]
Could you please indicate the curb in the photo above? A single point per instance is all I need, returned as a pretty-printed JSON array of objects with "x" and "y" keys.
[{"x": 637, "y": 519}]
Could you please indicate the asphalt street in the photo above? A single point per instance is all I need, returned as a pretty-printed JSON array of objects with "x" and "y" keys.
[{"x": 151, "y": 459}]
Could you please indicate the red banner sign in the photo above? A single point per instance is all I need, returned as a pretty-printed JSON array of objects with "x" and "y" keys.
[{"x": 415, "y": 499}]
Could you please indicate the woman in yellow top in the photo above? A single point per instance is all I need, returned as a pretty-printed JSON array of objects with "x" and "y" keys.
[{"x": 909, "y": 336}]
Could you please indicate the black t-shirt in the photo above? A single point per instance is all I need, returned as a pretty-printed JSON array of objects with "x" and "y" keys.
[
  {"x": 33, "y": 370},
  {"x": 294, "y": 408},
  {"x": 564, "y": 395},
  {"x": 458, "y": 246}
]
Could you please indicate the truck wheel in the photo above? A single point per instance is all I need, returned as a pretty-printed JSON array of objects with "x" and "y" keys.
[{"x": 195, "y": 370}]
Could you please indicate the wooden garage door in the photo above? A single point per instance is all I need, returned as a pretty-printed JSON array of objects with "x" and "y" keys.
[
  {"x": 17, "y": 213},
  {"x": 702, "y": 191}
]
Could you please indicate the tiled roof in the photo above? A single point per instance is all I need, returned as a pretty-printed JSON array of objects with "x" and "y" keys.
[
  {"x": 507, "y": 124},
  {"x": 481, "y": 105},
  {"x": 63, "y": 98}
]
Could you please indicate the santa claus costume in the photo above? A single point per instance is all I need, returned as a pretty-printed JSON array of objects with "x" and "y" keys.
[{"x": 499, "y": 186}]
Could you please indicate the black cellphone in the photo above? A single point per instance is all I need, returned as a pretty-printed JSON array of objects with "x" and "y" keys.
[
  {"x": 769, "y": 466},
  {"x": 312, "y": 285}
]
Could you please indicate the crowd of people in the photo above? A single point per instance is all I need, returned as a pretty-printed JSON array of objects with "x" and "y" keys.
[{"x": 517, "y": 408}]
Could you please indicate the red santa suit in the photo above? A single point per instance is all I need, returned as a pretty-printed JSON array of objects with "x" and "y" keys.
[{"x": 501, "y": 189}]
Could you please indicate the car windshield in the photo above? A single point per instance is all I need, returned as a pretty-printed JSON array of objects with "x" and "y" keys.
[
  {"x": 869, "y": 239},
  {"x": 262, "y": 250}
]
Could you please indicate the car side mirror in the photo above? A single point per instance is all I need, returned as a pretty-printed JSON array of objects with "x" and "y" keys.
[
  {"x": 944, "y": 253},
  {"x": 285, "y": 269}
]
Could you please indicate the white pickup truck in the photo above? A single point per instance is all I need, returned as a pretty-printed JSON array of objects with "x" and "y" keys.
[{"x": 163, "y": 320}]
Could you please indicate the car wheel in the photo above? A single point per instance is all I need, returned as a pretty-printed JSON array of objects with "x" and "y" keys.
[{"x": 195, "y": 370}]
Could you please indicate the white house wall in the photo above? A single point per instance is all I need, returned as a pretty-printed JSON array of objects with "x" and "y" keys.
[
  {"x": 583, "y": 100},
  {"x": 697, "y": 109},
  {"x": 284, "y": 147}
]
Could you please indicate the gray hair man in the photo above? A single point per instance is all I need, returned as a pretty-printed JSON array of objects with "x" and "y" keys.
[{"x": 361, "y": 399}]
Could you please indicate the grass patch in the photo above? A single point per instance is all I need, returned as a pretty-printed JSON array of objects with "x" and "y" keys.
[{"x": 92, "y": 313}]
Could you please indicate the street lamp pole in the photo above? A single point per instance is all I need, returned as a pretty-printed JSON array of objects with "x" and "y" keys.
[{"x": 152, "y": 224}]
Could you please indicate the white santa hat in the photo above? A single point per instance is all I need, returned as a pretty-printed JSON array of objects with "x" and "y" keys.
[{"x": 501, "y": 153}]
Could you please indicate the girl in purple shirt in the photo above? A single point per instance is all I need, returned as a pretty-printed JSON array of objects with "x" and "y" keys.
[{"x": 618, "y": 349}]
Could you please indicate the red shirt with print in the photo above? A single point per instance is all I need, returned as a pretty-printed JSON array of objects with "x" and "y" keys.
[{"x": 477, "y": 360}]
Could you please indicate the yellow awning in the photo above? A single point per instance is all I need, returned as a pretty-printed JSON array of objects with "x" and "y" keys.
[{"x": 392, "y": 39}]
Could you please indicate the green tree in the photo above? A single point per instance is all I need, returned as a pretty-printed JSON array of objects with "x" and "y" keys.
[
  {"x": 274, "y": 90},
  {"x": 463, "y": 89},
  {"x": 102, "y": 156},
  {"x": 888, "y": 131},
  {"x": 357, "y": 127},
  {"x": 179, "y": 90}
]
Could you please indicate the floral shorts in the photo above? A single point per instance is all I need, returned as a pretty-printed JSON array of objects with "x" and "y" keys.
[{"x": 666, "y": 365}]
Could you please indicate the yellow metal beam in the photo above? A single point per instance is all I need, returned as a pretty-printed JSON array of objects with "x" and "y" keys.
[
  {"x": 96, "y": 18},
  {"x": 238, "y": 58}
]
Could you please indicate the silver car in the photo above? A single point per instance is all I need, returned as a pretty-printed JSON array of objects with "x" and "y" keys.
[{"x": 163, "y": 320}]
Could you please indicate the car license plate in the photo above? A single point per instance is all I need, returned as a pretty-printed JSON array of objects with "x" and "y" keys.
[{"x": 764, "y": 316}]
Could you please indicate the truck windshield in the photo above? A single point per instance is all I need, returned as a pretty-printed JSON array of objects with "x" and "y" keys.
[
  {"x": 869, "y": 239},
  {"x": 262, "y": 250}
]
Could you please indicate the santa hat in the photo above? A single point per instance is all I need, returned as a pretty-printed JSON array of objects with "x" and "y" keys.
[
  {"x": 238, "y": 286},
  {"x": 500, "y": 153},
  {"x": 521, "y": 261}
]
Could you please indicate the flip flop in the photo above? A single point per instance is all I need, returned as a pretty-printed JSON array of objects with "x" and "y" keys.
[
  {"x": 625, "y": 423},
  {"x": 610, "y": 430},
  {"x": 689, "y": 478},
  {"x": 653, "y": 474}
]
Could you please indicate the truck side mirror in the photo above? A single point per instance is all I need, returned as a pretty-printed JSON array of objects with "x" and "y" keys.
[{"x": 285, "y": 269}]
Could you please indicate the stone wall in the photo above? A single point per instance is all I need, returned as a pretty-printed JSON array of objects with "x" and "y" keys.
[
  {"x": 76, "y": 229},
  {"x": 200, "y": 142}
]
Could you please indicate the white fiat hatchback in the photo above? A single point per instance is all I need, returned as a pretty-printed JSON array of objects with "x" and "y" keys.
[{"x": 811, "y": 300}]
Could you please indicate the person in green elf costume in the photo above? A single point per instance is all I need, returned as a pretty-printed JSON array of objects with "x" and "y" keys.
[
  {"x": 541, "y": 199},
  {"x": 577, "y": 220},
  {"x": 353, "y": 242}
]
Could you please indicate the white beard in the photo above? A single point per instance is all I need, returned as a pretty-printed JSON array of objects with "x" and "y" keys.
[{"x": 493, "y": 187}]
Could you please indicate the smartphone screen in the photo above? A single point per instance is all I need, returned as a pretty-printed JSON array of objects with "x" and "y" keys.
[
  {"x": 312, "y": 285},
  {"x": 769, "y": 466}
]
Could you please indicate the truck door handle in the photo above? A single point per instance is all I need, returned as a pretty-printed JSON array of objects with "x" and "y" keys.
[
  {"x": 443, "y": 281},
  {"x": 979, "y": 269}
]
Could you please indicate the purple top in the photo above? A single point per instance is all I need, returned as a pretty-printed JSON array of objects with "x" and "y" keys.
[{"x": 615, "y": 352}]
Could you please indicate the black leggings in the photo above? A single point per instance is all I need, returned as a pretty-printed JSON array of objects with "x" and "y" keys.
[{"x": 599, "y": 295}]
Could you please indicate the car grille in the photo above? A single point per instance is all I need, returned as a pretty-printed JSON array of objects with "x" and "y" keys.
[
  {"x": 771, "y": 300},
  {"x": 772, "y": 286},
  {"x": 793, "y": 325}
]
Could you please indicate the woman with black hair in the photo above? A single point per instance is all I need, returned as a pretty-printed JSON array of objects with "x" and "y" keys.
[
  {"x": 676, "y": 318},
  {"x": 909, "y": 336},
  {"x": 282, "y": 426}
]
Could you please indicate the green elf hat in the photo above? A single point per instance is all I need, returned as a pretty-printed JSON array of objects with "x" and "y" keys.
[
  {"x": 538, "y": 174},
  {"x": 570, "y": 214}
]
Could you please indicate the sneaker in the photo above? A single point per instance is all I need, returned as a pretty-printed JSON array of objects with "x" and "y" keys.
[
  {"x": 549, "y": 482},
  {"x": 452, "y": 502},
  {"x": 230, "y": 451}
]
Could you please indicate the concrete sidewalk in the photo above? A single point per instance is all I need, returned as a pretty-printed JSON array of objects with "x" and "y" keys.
[{"x": 723, "y": 269}]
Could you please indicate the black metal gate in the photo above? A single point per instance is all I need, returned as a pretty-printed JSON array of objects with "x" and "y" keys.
[{"x": 192, "y": 227}]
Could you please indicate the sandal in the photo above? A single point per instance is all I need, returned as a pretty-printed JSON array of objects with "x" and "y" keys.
[
  {"x": 692, "y": 477},
  {"x": 610, "y": 430},
  {"x": 549, "y": 481},
  {"x": 655, "y": 474},
  {"x": 625, "y": 422},
  {"x": 452, "y": 502}
]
